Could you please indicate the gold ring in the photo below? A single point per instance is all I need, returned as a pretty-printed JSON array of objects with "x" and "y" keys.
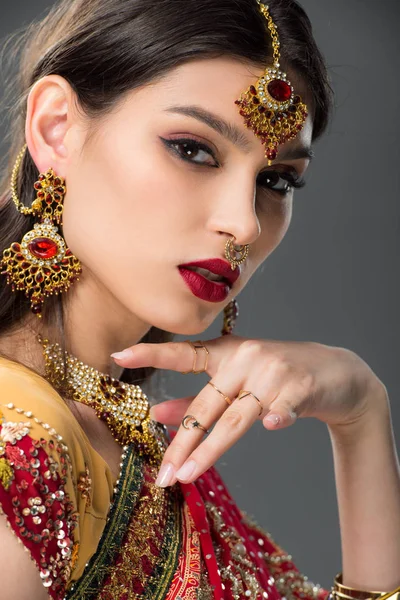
[
  {"x": 194, "y": 422},
  {"x": 244, "y": 393},
  {"x": 226, "y": 398},
  {"x": 197, "y": 345}
]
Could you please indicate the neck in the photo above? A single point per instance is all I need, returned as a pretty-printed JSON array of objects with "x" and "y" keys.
[{"x": 96, "y": 325}]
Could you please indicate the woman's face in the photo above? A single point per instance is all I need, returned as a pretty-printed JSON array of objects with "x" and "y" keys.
[{"x": 158, "y": 184}]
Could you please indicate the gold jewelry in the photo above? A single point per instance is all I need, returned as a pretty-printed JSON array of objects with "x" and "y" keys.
[
  {"x": 270, "y": 107},
  {"x": 236, "y": 254},
  {"x": 123, "y": 406},
  {"x": 344, "y": 592},
  {"x": 231, "y": 313},
  {"x": 244, "y": 393},
  {"x": 41, "y": 265},
  {"x": 196, "y": 346},
  {"x": 226, "y": 398},
  {"x": 190, "y": 419}
]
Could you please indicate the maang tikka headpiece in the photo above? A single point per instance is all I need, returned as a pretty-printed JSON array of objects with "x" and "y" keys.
[{"x": 270, "y": 107}]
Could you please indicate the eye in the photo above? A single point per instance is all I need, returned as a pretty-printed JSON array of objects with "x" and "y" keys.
[
  {"x": 192, "y": 151},
  {"x": 281, "y": 182}
]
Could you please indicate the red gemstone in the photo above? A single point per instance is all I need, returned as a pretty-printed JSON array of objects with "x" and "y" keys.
[
  {"x": 43, "y": 248},
  {"x": 279, "y": 90},
  {"x": 253, "y": 90},
  {"x": 271, "y": 154}
]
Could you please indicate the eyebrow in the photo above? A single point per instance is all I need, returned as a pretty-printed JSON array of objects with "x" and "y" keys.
[{"x": 231, "y": 132}]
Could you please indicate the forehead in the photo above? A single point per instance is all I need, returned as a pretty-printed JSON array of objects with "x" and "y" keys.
[{"x": 213, "y": 85}]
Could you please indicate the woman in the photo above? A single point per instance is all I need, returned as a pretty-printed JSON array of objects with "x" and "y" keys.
[{"x": 161, "y": 144}]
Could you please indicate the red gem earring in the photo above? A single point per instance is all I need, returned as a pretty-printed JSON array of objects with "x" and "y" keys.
[{"x": 41, "y": 264}]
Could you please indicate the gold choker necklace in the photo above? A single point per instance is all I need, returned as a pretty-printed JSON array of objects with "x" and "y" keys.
[{"x": 123, "y": 406}]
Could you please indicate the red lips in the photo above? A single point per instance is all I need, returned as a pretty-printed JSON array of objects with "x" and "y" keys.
[{"x": 218, "y": 267}]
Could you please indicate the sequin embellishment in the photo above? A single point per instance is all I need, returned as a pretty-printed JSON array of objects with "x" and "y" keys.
[{"x": 33, "y": 475}]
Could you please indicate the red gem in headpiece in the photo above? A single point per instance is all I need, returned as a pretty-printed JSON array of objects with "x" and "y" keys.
[
  {"x": 43, "y": 248},
  {"x": 279, "y": 90}
]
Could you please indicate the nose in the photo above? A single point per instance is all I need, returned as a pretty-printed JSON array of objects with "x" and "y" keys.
[{"x": 234, "y": 212}]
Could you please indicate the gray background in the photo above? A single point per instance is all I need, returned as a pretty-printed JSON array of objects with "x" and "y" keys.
[{"x": 334, "y": 279}]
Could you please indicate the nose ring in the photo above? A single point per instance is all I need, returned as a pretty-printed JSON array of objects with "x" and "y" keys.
[{"x": 236, "y": 254}]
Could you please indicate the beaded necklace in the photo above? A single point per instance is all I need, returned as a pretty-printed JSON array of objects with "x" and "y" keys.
[{"x": 124, "y": 407}]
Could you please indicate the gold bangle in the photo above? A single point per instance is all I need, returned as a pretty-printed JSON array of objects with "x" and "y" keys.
[{"x": 345, "y": 592}]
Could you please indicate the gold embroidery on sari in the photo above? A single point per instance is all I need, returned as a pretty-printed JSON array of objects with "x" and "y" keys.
[
  {"x": 290, "y": 582},
  {"x": 240, "y": 572},
  {"x": 138, "y": 553},
  {"x": 186, "y": 584}
]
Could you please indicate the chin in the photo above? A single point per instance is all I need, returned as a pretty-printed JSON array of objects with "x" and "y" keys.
[{"x": 191, "y": 326}]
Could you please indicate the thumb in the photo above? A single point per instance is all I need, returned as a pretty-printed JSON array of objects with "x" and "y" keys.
[{"x": 171, "y": 412}]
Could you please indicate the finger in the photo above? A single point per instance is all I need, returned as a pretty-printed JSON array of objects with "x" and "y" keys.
[
  {"x": 206, "y": 408},
  {"x": 171, "y": 412},
  {"x": 174, "y": 356},
  {"x": 285, "y": 409},
  {"x": 233, "y": 424}
]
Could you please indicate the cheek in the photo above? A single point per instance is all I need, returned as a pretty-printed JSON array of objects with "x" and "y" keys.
[
  {"x": 275, "y": 216},
  {"x": 121, "y": 199}
]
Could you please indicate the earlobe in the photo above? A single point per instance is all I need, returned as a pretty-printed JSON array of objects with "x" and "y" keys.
[{"x": 50, "y": 114}]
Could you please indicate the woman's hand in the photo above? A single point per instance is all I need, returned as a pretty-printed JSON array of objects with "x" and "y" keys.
[{"x": 291, "y": 380}]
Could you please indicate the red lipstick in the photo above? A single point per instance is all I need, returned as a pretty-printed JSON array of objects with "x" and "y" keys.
[{"x": 200, "y": 282}]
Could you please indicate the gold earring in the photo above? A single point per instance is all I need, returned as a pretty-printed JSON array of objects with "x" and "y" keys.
[
  {"x": 41, "y": 265},
  {"x": 231, "y": 313}
]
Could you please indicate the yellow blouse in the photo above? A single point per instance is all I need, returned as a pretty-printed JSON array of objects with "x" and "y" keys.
[{"x": 29, "y": 399}]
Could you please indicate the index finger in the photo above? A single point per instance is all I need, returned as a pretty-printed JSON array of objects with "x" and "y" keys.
[{"x": 185, "y": 357}]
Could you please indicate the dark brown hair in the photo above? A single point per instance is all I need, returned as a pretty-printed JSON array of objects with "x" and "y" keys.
[{"x": 106, "y": 48}]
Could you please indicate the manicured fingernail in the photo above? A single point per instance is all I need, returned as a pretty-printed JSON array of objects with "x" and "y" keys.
[
  {"x": 125, "y": 354},
  {"x": 273, "y": 419},
  {"x": 151, "y": 413},
  {"x": 165, "y": 475},
  {"x": 186, "y": 471}
]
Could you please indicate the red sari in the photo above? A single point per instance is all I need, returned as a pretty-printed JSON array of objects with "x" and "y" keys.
[{"x": 136, "y": 541}]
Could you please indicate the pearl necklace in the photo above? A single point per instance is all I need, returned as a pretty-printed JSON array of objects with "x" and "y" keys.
[{"x": 123, "y": 406}]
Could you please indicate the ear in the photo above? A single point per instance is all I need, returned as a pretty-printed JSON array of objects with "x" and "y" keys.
[{"x": 52, "y": 128}]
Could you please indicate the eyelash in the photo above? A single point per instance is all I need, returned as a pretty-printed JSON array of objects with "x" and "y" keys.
[{"x": 294, "y": 182}]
